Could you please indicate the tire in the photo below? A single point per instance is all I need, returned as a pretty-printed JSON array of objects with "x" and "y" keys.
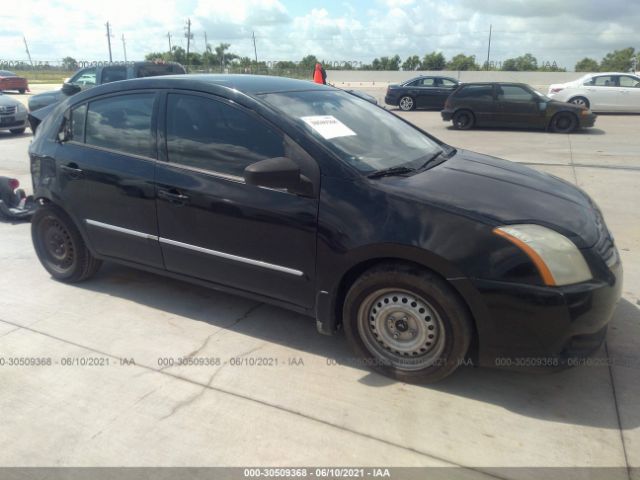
[
  {"x": 407, "y": 323},
  {"x": 463, "y": 120},
  {"x": 21, "y": 91},
  {"x": 17, "y": 131},
  {"x": 563, "y": 122},
  {"x": 583, "y": 102},
  {"x": 406, "y": 103},
  {"x": 60, "y": 247}
]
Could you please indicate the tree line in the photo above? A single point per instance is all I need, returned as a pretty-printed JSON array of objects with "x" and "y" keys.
[{"x": 220, "y": 58}]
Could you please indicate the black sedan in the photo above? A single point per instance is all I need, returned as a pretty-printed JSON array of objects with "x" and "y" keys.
[
  {"x": 308, "y": 197},
  {"x": 512, "y": 105},
  {"x": 421, "y": 92}
]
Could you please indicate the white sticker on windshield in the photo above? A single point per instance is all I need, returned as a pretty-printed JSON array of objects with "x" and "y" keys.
[{"x": 328, "y": 126}]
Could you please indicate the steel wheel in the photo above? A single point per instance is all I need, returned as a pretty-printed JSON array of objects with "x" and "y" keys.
[
  {"x": 401, "y": 329},
  {"x": 406, "y": 103},
  {"x": 58, "y": 245}
]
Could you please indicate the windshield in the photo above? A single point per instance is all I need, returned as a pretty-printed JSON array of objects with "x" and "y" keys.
[{"x": 359, "y": 133}]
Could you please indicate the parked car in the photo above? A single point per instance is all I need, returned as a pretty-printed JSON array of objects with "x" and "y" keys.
[
  {"x": 13, "y": 115},
  {"x": 512, "y": 105},
  {"x": 11, "y": 81},
  {"x": 91, "y": 76},
  {"x": 421, "y": 92},
  {"x": 601, "y": 92},
  {"x": 308, "y": 197}
]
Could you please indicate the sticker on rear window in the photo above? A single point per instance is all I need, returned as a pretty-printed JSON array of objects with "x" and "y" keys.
[{"x": 328, "y": 126}]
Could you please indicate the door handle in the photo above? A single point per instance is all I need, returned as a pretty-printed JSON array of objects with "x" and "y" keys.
[
  {"x": 71, "y": 170},
  {"x": 173, "y": 196}
]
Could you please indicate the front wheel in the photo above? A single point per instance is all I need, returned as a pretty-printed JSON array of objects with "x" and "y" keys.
[
  {"x": 17, "y": 131},
  {"x": 406, "y": 103},
  {"x": 563, "y": 123},
  {"x": 60, "y": 247},
  {"x": 21, "y": 91},
  {"x": 407, "y": 323}
]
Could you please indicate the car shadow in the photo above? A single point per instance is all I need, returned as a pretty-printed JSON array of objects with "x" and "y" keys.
[
  {"x": 538, "y": 395},
  {"x": 7, "y": 135}
]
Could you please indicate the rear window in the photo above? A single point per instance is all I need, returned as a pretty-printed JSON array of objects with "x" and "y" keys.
[{"x": 480, "y": 92}]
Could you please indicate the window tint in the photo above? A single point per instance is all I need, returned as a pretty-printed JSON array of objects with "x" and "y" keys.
[
  {"x": 629, "y": 82},
  {"x": 448, "y": 83},
  {"x": 122, "y": 123},
  {"x": 211, "y": 135},
  {"x": 415, "y": 83},
  {"x": 479, "y": 92},
  {"x": 78, "y": 116},
  {"x": 511, "y": 93},
  {"x": 427, "y": 82},
  {"x": 602, "y": 81},
  {"x": 113, "y": 74}
]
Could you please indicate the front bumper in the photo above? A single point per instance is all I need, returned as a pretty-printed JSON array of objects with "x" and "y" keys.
[
  {"x": 19, "y": 120},
  {"x": 588, "y": 120},
  {"x": 391, "y": 100},
  {"x": 531, "y": 327}
]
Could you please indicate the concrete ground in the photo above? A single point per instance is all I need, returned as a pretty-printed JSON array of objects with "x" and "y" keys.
[{"x": 94, "y": 407}]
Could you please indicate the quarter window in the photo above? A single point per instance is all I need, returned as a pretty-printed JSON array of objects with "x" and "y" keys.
[
  {"x": 122, "y": 123},
  {"x": 212, "y": 135}
]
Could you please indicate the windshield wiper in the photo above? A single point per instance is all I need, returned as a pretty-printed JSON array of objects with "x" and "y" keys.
[{"x": 386, "y": 172}]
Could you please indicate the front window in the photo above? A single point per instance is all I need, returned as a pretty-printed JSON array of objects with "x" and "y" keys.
[
  {"x": 84, "y": 77},
  {"x": 514, "y": 93},
  {"x": 361, "y": 134}
]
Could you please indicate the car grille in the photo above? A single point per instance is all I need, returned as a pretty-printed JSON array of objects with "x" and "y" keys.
[
  {"x": 8, "y": 110},
  {"x": 605, "y": 246}
]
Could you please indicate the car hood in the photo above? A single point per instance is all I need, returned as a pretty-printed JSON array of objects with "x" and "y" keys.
[
  {"x": 7, "y": 101},
  {"x": 498, "y": 192},
  {"x": 46, "y": 98}
]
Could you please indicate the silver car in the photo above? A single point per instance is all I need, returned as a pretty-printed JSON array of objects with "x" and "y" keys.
[{"x": 13, "y": 115}]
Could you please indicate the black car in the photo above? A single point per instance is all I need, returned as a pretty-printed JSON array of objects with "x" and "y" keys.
[
  {"x": 89, "y": 77},
  {"x": 308, "y": 197},
  {"x": 421, "y": 92},
  {"x": 518, "y": 105}
]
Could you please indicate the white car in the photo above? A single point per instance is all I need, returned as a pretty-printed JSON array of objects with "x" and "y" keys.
[{"x": 601, "y": 92}]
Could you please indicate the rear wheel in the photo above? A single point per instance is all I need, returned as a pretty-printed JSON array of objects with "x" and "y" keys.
[
  {"x": 60, "y": 247},
  {"x": 17, "y": 131},
  {"x": 22, "y": 90},
  {"x": 463, "y": 120},
  {"x": 581, "y": 101},
  {"x": 406, "y": 103},
  {"x": 564, "y": 122},
  {"x": 407, "y": 323}
]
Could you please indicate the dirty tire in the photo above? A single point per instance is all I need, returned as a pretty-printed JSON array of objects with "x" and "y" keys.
[
  {"x": 407, "y": 323},
  {"x": 60, "y": 247}
]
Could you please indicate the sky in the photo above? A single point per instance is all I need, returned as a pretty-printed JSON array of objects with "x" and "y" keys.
[{"x": 563, "y": 31}]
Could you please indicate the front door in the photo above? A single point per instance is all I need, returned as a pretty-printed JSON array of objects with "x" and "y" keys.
[
  {"x": 518, "y": 107},
  {"x": 215, "y": 227}
]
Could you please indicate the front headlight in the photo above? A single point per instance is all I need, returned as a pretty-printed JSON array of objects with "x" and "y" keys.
[{"x": 555, "y": 256}]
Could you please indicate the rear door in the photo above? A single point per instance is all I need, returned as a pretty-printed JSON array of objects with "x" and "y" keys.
[
  {"x": 519, "y": 107},
  {"x": 602, "y": 92},
  {"x": 628, "y": 98},
  {"x": 105, "y": 175},
  {"x": 215, "y": 227}
]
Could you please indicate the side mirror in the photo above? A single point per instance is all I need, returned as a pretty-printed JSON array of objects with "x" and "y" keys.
[
  {"x": 70, "y": 88},
  {"x": 278, "y": 172}
]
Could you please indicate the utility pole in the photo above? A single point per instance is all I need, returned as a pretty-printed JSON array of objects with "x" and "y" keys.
[
  {"x": 109, "y": 41},
  {"x": 489, "y": 47},
  {"x": 189, "y": 37},
  {"x": 169, "y": 37},
  {"x": 255, "y": 51},
  {"x": 206, "y": 43},
  {"x": 27, "y": 48},
  {"x": 124, "y": 47}
]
